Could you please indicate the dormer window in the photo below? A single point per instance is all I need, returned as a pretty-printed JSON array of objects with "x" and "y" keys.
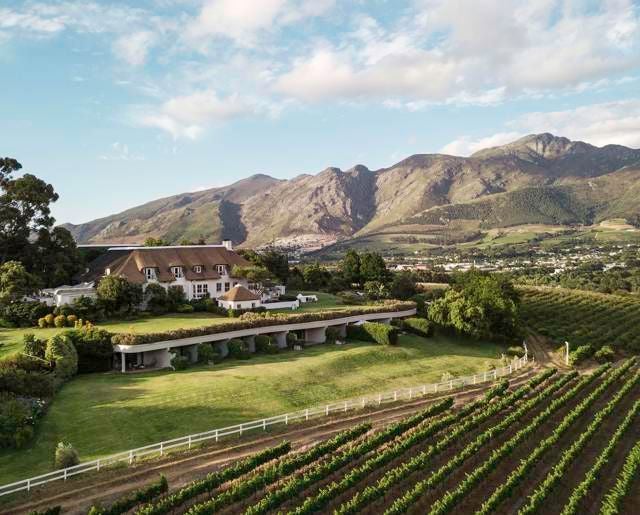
[
  {"x": 176, "y": 271},
  {"x": 221, "y": 269},
  {"x": 150, "y": 273},
  {"x": 197, "y": 269}
]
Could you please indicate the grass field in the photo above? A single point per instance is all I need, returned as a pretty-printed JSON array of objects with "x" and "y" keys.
[{"x": 104, "y": 413}]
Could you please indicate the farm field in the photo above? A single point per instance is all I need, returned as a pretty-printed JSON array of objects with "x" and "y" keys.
[
  {"x": 105, "y": 413},
  {"x": 553, "y": 445},
  {"x": 11, "y": 339},
  {"x": 582, "y": 317}
]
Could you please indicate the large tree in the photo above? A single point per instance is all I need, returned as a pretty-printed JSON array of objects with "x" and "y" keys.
[
  {"x": 26, "y": 227},
  {"x": 350, "y": 267},
  {"x": 15, "y": 282}
]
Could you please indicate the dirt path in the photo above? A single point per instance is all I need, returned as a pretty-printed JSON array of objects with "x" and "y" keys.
[
  {"x": 543, "y": 354},
  {"x": 76, "y": 496}
]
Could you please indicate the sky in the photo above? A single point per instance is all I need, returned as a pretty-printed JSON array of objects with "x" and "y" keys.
[{"x": 119, "y": 102}]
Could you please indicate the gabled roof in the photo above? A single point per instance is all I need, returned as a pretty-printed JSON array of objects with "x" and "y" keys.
[
  {"x": 130, "y": 263},
  {"x": 238, "y": 294}
]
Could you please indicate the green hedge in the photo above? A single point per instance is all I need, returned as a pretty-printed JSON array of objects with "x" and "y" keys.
[
  {"x": 373, "y": 332},
  {"x": 419, "y": 326},
  {"x": 255, "y": 320}
]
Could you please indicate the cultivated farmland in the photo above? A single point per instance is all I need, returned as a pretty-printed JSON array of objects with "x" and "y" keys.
[{"x": 559, "y": 443}]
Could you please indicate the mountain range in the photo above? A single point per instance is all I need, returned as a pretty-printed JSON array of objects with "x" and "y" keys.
[{"x": 539, "y": 179}]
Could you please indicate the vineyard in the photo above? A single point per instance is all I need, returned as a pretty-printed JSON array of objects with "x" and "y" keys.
[
  {"x": 582, "y": 317},
  {"x": 557, "y": 443}
]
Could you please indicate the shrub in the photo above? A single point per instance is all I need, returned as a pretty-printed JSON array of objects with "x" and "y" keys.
[
  {"x": 515, "y": 351},
  {"x": 419, "y": 326},
  {"x": 71, "y": 320},
  {"x": 42, "y": 322},
  {"x": 156, "y": 297},
  {"x": 176, "y": 298},
  {"x": 292, "y": 339},
  {"x": 65, "y": 456},
  {"x": 206, "y": 353},
  {"x": 604, "y": 354},
  {"x": 16, "y": 418},
  {"x": 238, "y": 349},
  {"x": 24, "y": 383},
  {"x": 60, "y": 321},
  {"x": 185, "y": 308},
  {"x": 49, "y": 319},
  {"x": 23, "y": 314},
  {"x": 61, "y": 352},
  {"x": 34, "y": 346},
  {"x": 580, "y": 354},
  {"x": 54, "y": 510},
  {"x": 94, "y": 348},
  {"x": 374, "y": 332},
  {"x": 332, "y": 334},
  {"x": 179, "y": 362},
  {"x": 263, "y": 342}
]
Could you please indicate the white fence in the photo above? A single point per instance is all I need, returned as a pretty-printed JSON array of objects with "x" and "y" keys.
[{"x": 186, "y": 442}]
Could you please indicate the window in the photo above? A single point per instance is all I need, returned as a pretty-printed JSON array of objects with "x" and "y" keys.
[
  {"x": 200, "y": 290},
  {"x": 176, "y": 271},
  {"x": 253, "y": 304},
  {"x": 221, "y": 269},
  {"x": 150, "y": 273},
  {"x": 218, "y": 286},
  {"x": 197, "y": 269},
  {"x": 227, "y": 286}
]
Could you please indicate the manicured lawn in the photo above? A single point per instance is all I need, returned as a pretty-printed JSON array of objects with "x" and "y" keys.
[
  {"x": 104, "y": 413},
  {"x": 12, "y": 338},
  {"x": 326, "y": 301}
]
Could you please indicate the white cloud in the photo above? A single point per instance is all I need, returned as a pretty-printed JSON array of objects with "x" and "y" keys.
[
  {"x": 189, "y": 115},
  {"x": 471, "y": 51},
  {"x": 466, "y": 146},
  {"x": 616, "y": 123},
  {"x": 133, "y": 48},
  {"x": 243, "y": 20}
]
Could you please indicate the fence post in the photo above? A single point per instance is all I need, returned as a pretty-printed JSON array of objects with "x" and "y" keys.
[
  {"x": 345, "y": 406},
  {"x": 435, "y": 388},
  {"x": 28, "y": 484},
  {"x": 395, "y": 396},
  {"x": 326, "y": 411},
  {"x": 410, "y": 393},
  {"x": 306, "y": 414},
  {"x": 189, "y": 441},
  {"x": 450, "y": 384},
  {"x": 240, "y": 429},
  {"x": 474, "y": 379},
  {"x": 161, "y": 448},
  {"x": 264, "y": 424},
  {"x": 130, "y": 457},
  {"x": 286, "y": 419},
  {"x": 216, "y": 435},
  {"x": 98, "y": 465},
  {"x": 510, "y": 370},
  {"x": 485, "y": 375},
  {"x": 363, "y": 402},
  {"x": 379, "y": 399},
  {"x": 424, "y": 389}
]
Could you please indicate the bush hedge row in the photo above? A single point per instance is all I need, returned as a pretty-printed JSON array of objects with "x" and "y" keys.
[
  {"x": 256, "y": 320},
  {"x": 374, "y": 332}
]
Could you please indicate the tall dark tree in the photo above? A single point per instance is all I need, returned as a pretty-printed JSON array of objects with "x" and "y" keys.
[
  {"x": 350, "y": 267},
  {"x": 373, "y": 268},
  {"x": 26, "y": 227}
]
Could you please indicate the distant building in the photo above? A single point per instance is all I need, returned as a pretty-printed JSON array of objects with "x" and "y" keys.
[
  {"x": 239, "y": 297},
  {"x": 66, "y": 294}
]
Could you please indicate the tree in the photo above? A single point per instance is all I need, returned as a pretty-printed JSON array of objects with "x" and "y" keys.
[
  {"x": 252, "y": 273},
  {"x": 156, "y": 297},
  {"x": 25, "y": 211},
  {"x": 480, "y": 305},
  {"x": 375, "y": 290},
  {"x": 373, "y": 268},
  {"x": 403, "y": 286},
  {"x": 117, "y": 294},
  {"x": 16, "y": 282},
  {"x": 350, "y": 267},
  {"x": 175, "y": 297},
  {"x": 316, "y": 276},
  {"x": 61, "y": 353}
]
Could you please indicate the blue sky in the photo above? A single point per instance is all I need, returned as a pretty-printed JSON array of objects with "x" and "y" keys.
[{"x": 120, "y": 102}]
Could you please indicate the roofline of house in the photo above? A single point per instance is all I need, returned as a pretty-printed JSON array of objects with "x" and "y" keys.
[{"x": 219, "y": 246}]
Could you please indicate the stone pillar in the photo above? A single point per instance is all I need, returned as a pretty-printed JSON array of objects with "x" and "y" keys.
[
  {"x": 192, "y": 353},
  {"x": 223, "y": 348},
  {"x": 139, "y": 358},
  {"x": 251, "y": 343},
  {"x": 316, "y": 335},
  {"x": 123, "y": 362},
  {"x": 280, "y": 339}
]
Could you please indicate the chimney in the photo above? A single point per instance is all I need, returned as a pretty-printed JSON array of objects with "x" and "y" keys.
[{"x": 227, "y": 244}]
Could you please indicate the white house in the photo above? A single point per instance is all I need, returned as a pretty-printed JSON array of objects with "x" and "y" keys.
[
  {"x": 200, "y": 270},
  {"x": 66, "y": 294},
  {"x": 239, "y": 297}
]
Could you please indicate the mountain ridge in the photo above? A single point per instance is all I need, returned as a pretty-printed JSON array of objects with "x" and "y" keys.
[{"x": 337, "y": 204}]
